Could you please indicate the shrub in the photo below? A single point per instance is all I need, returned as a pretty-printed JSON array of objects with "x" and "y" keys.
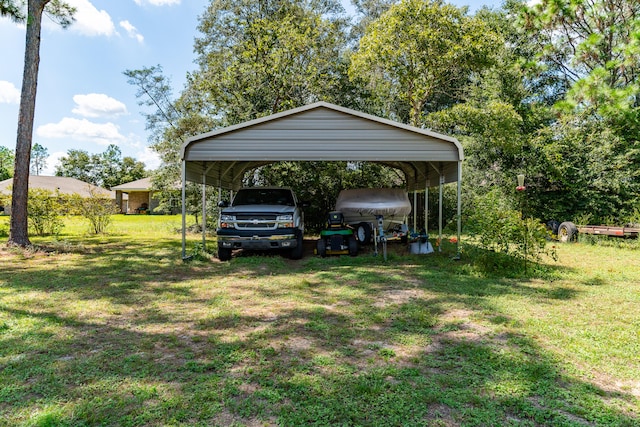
[
  {"x": 97, "y": 209},
  {"x": 43, "y": 209},
  {"x": 500, "y": 228}
]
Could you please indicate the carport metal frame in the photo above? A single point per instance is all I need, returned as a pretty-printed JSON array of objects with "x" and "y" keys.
[{"x": 322, "y": 132}]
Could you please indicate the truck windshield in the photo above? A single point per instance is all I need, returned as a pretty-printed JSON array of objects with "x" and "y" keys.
[{"x": 261, "y": 196}]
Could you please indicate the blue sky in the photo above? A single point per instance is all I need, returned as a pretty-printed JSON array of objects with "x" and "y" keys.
[{"x": 84, "y": 101}]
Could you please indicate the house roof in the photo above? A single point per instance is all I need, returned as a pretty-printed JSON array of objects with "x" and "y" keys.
[
  {"x": 321, "y": 132},
  {"x": 143, "y": 184},
  {"x": 64, "y": 185}
]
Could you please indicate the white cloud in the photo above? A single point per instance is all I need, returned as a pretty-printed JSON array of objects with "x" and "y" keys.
[
  {"x": 9, "y": 94},
  {"x": 52, "y": 161},
  {"x": 82, "y": 130},
  {"x": 98, "y": 105},
  {"x": 91, "y": 21},
  {"x": 149, "y": 157},
  {"x": 157, "y": 2},
  {"x": 132, "y": 31}
]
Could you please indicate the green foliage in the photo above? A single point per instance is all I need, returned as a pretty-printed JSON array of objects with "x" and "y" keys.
[
  {"x": 419, "y": 52},
  {"x": 4, "y": 229},
  {"x": 12, "y": 9},
  {"x": 6, "y": 163},
  {"x": 583, "y": 168},
  {"x": 261, "y": 58},
  {"x": 106, "y": 170},
  {"x": 96, "y": 209},
  {"x": 595, "y": 43},
  {"x": 44, "y": 209},
  {"x": 498, "y": 227},
  {"x": 39, "y": 156}
]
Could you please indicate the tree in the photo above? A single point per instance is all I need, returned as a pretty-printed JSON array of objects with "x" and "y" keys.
[
  {"x": 169, "y": 122},
  {"x": 259, "y": 58},
  {"x": 63, "y": 13},
  {"x": 106, "y": 169},
  {"x": 76, "y": 164},
  {"x": 11, "y": 9},
  {"x": 39, "y": 155},
  {"x": 418, "y": 53},
  {"x": 6, "y": 163},
  {"x": 255, "y": 58},
  {"x": 594, "y": 44},
  {"x": 590, "y": 156}
]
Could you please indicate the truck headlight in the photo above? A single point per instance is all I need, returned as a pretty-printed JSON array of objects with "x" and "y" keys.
[
  {"x": 225, "y": 220},
  {"x": 285, "y": 221}
]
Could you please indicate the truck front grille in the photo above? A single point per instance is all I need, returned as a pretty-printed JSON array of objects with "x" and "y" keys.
[{"x": 264, "y": 217}]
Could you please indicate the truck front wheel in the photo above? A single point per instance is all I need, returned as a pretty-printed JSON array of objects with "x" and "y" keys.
[
  {"x": 224, "y": 254},
  {"x": 296, "y": 253}
]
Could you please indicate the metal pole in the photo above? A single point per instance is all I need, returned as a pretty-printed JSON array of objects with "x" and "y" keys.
[
  {"x": 415, "y": 210},
  {"x": 426, "y": 208},
  {"x": 440, "y": 212},
  {"x": 184, "y": 209},
  {"x": 204, "y": 212},
  {"x": 459, "y": 207}
]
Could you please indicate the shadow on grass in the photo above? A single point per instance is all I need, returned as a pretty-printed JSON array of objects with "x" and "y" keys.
[{"x": 341, "y": 341}]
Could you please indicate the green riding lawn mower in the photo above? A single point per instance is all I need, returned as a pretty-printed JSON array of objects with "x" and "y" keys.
[{"x": 337, "y": 238}]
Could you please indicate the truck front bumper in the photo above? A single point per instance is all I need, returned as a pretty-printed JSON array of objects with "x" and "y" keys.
[{"x": 254, "y": 240}]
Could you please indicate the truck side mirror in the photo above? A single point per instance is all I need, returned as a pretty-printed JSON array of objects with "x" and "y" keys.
[
  {"x": 305, "y": 204},
  {"x": 223, "y": 204}
]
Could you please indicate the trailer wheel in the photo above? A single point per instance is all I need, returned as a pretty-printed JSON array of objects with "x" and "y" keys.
[
  {"x": 553, "y": 226},
  {"x": 567, "y": 232},
  {"x": 363, "y": 232}
]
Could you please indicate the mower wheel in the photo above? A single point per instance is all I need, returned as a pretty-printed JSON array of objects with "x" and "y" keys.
[{"x": 321, "y": 246}]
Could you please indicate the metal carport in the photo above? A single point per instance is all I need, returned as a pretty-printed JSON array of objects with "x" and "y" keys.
[{"x": 321, "y": 132}]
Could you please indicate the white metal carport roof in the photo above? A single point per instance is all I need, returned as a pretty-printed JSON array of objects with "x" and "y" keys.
[{"x": 321, "y": 132}]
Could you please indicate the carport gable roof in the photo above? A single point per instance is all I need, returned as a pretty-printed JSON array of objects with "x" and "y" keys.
[{"x": 320, "y": 132}]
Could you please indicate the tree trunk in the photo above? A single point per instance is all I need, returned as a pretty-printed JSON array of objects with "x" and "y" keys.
[{"x": 19, "y": 227}]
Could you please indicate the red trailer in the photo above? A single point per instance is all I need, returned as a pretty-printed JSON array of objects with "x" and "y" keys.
[{"x": 568, "y": 231}]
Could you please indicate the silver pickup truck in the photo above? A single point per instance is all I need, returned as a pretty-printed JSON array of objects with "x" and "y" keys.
[{"x": 261, "y": 218}]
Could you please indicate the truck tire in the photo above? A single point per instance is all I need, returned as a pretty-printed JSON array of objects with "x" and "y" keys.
[
  {"x": 321, "y": 247},
  {"x": 296, "y": 253},
  {"x": 353, "y": 246},
  {"x": 567, "y": 232},
  {"x": 363, "y": 233},
  {"x": 224, "y": 254}
]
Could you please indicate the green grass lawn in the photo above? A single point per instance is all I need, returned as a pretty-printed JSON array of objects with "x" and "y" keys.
[{"x": 118, "y": 330}]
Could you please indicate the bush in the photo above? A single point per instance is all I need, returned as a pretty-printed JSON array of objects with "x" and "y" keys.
[
  {"x": 500, "y": 228},
  {"x": 97, "y": 209},
  {"x": 43, "y": 209}
]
